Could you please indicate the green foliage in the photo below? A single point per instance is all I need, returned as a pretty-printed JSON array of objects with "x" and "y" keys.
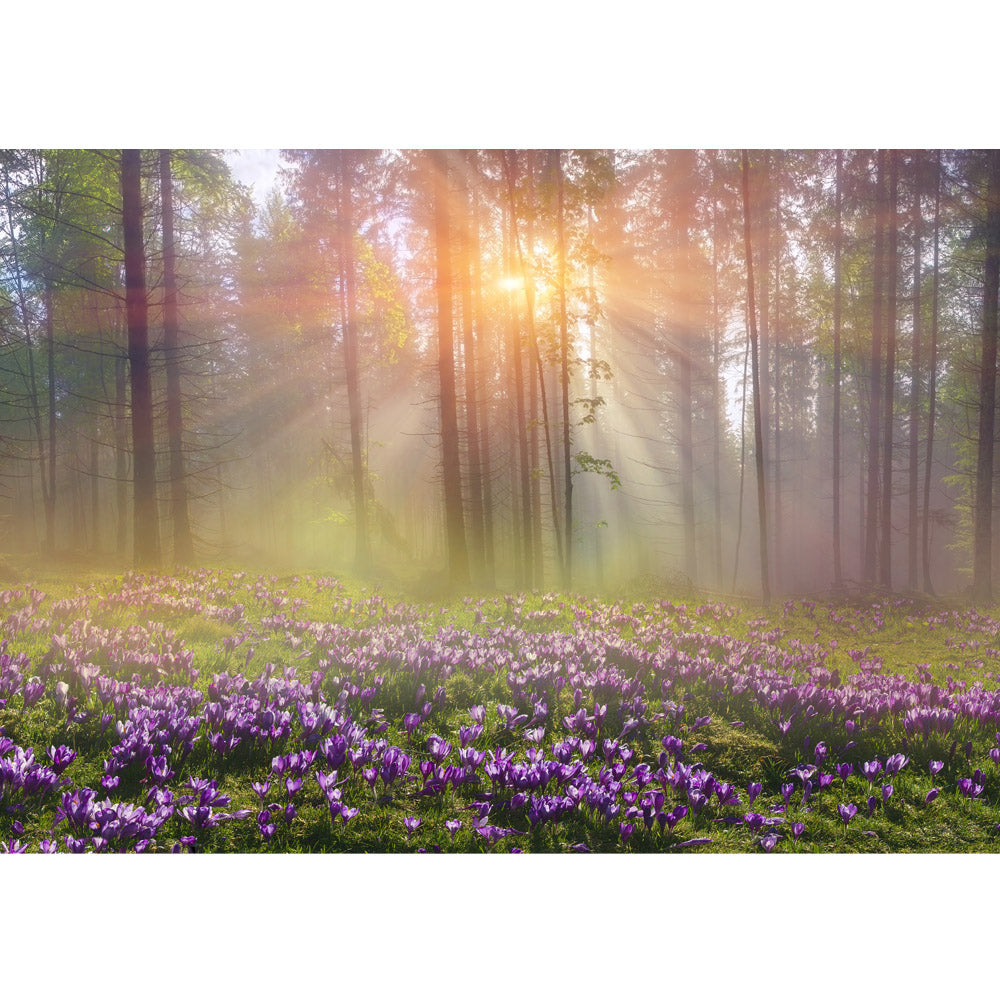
[{"x": 585, "y": 462}]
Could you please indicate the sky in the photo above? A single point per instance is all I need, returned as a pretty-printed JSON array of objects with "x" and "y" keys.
[{"x": 257, "y": 168}]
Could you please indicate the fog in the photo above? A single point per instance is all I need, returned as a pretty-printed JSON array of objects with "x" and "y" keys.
[{"x": 394, "y": 363}]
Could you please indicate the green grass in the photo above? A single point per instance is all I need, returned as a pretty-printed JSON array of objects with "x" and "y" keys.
[{"x": 907, "y": 640}]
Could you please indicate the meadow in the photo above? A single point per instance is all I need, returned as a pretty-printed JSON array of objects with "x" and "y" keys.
[{"x": 214, "y": 711}]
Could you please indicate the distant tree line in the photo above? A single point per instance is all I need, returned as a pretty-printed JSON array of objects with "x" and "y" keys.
[{"x": 762, "y": 370}]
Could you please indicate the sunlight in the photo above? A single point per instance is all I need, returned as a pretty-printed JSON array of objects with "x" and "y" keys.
[{"x": 511, "y": 283}]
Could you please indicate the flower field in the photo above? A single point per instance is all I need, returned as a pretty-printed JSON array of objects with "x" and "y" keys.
[{"x": 218, "y": 712}]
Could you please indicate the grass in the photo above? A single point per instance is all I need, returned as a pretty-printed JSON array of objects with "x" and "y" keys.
[{"x": 482, "y": 650}]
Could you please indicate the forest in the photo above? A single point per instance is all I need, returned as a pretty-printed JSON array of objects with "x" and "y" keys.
[{"x": 761, "y": 372}]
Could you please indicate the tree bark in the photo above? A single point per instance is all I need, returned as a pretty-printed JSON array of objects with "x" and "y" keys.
[
  {"x": 686, "y": 318},
  {"x": 476, "y": 530},
  {"x": 915, "y": 385},
  {"x": 485, "y": 343},
  {"x": 458, "y": 558},
  {"x": 119, "y": 425},
  {"x": 567, "y": 435},
  {"x": 982, "y": 582},
  {"x": 716, "y": 407},
  {"x": 146, "y": 548},
  {"x": 891, "y": 272},
  {"x": 50, "y": 358},
  {"x": 362, "y": 541},
  {"x": 931, "y": 382},
  {"x": 875, "y": 393},
  {"x": 758, "y": 434},
  {"x": 180, "y": 517},
  {"x": 838, "y": 573},
  {"x": 515, "y": 352}
]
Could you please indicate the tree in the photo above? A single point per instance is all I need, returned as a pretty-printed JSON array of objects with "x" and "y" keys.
[
  {"x": 758, "y": 434},
  {"x": 567, "y": 435},
  {"x": 982, "y": 580},
  {"x": 838, "y": 240},
  {"x": 871, "y": 551},
  {"x": 469, "y": 248},
  {"x": 146, "y": 543},
  {"x": 183, "y": 543},
  {"x": 349, "y": 316},
  {"x": 932, "y": 381},
  {"x": 890, "y": 269},
  {"x": 458, "y": 560}
]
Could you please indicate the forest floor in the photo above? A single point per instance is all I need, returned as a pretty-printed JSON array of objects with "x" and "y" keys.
[{"x": 230, "y": 711}]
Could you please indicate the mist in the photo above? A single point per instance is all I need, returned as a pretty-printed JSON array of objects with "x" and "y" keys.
[{"x": 475, "y": 370}]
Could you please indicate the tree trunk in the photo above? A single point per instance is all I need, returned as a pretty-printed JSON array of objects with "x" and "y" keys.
[
  {"x": 716, "y": 407},
  {"x": 34, "y": 405},
  {"x": 119, "y": 425},
  {"x": 915, "y": 393},
  {"x": 891, "y": 272},
  {"x": 362, "y": 542},
  {"x": 485, "y": 342},
  {"x": 476, "y": 530},
  {"x": 95, "y": 507},
  {"x": 758, "y": 434},
  {"x": 180, "y": 518},
  {"x": 776, "y": 381},
  {"x": 50, "y": 356},
  {"x": 515, "y": 351},
  {"x": 931, "y": 383},
  {"x": 567, "y": 436},
  {"x": 146, "y": 549},
  {"x": 838, "y": 575},
  {"x": 982, "y": 583},
  {"x": 762, "y": 177},
  {"x": 875, "y": 394},
  {"x": 458, "y": 558}
]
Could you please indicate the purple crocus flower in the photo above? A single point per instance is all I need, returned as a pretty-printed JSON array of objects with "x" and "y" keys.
[
  {"x": 895, "y": 763},
  {"x": 886, "y": 793},
  {"x": 847, "y": 812},
  {"x": 468, "y": 734},
  {"x": 807, "y": 789},
  {"x": 797, "y": 829},
  {"x": 872, "y": 803},
  {"x": 411, "y": 823},
  {"x": 769, "y": 841},
  {"x": 33, "y": 690},
  {"x": 61, "y": 757},
  {"x": 673, "y": 817},
  {"x": 804, "y": 772},
  {"x": 844, "y": 771},
  {"x": 786, "y": 792},
  {"x": 935, "y": 766},
  {"x": 931, "y": 796},
  {"x": 870, "y": 770}
]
